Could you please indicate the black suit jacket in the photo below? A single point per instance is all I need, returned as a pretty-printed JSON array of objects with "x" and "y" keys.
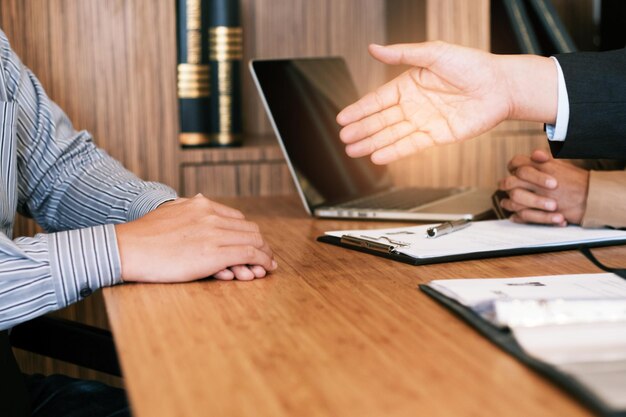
[{"x": 596, "y": 89}]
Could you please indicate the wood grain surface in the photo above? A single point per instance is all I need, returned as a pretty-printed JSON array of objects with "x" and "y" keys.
[{"x": 332, "y": 332}]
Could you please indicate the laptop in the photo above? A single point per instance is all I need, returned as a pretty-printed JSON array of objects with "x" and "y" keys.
[{"x": 302, "y": 98}]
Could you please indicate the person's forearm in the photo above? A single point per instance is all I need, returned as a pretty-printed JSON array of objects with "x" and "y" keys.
[
  {"x": 51, "y": 271},
  {"x": 533, "y": 86}
]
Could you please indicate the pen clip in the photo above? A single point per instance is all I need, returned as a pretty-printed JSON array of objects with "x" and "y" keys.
[{"x": 368, "y": 243}]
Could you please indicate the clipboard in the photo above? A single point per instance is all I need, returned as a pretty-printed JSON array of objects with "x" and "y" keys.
[
  {"x": 503, "y": 338},
  {"x": 484, "y": 239},
  {"x": 389, "y": 251}
]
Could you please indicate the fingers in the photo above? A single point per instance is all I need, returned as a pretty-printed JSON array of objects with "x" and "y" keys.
[
  {"x": 527, "y": 169},
  {"x": 403, "y": 147},
  {"x": 423, "y": 54},
  {"x": 384, "y": 97},
  {"x": 534, "y": 176},
  {"x": 245, "y": 255},
  {"x": 539, "y": 217},
  {"x": 241, "y": 272},
  {"x": 237, "y": 238},
  {"x": 540, "y": 156},
  {"x": 371, "y": 124},
  {"x": 380, "y": 140},
  {"x": 248, "y": 272},
  {"x": 512, "y": 182},
  {"x": 224, "y": 275},
  {"x": 258, "y": 271},
  {"x": 520, "y": 198},
  {"x": 227, "y": 223},
  {"x": 516, "y": 162}
]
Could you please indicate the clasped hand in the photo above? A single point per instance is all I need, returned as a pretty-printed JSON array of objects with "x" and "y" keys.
[
  {"x": 544, "y": 190},
  {"x": 192, "y": 238}
]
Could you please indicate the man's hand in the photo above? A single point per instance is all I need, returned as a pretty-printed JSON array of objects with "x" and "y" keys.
[
  {"x": 544, "y": 190},
  {"x": 451, "y": 94},
  {"x": 189, "y": 239}
]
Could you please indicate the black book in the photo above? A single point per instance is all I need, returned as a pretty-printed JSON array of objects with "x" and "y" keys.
[{"x": 193, "y": 69}]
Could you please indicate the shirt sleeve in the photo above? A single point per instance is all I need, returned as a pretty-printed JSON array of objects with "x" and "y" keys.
[
  {"x": 64, "y": 180},
  {"x": 558, "y": 131},
  {"x": 74, "y": 190},
  {"x": 51, "y": 271},
  {"x": 606, "y": 199}
]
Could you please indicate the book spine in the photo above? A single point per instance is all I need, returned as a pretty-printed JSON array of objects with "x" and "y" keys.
[
  {"x": 554, "y": 26},
  {"x": 193, "y": 79},
  {"x": 520, "y": 22},
  {"x": 225, "y": 56}
]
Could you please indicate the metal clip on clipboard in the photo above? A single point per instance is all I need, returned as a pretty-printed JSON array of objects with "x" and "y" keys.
[{"x": 370, "y": 242}]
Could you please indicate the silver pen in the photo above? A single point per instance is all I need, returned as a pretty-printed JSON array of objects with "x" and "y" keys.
[{"x": 447, "y": 227}]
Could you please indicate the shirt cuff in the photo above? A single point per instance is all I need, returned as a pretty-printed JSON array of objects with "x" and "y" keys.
[
  {"x": 558, "y": 131},
  {"x": 82, "y": 261},
  {"x": 148, "y": 201}
]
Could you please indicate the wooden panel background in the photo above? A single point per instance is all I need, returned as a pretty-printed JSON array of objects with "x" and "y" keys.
[{"x": 111, "y": 66}]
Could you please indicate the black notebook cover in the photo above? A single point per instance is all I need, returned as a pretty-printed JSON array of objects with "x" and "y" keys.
[{"x": 505, "y": 340}]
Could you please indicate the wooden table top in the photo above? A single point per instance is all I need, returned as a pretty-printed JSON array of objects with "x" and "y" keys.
[{"x": 332, "y": 332}]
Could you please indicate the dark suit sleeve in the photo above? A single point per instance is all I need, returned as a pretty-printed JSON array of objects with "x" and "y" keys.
[{"x": 596, "y": 89}]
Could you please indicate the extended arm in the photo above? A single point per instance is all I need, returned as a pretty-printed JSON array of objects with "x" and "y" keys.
[{"x": 450, "y": 94}]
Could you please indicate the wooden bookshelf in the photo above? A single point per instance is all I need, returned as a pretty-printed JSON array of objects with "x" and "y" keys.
[{"x": 255, "y": 169}]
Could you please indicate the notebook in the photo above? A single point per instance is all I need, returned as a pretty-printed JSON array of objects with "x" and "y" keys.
[
  {"x": 302, "y": 98},
  {"x": 570, "y": 328}
]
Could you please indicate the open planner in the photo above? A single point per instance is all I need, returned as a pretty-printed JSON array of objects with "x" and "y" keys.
[
  {"x": 570, "y": 328},
  {"x": 482, "y": 239}
]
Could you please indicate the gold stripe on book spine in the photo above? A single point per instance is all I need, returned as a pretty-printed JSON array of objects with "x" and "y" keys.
[
  {"x": 194, "y": 31},
  {"x": 225, "y": 43},
  {"x": 194, "y": 139},
  {"x": 193, "y": 81},
  {"x": 225, "y": 99}
]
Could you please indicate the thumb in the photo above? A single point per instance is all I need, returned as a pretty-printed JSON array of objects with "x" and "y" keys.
[
  {"x": 539, "y": 155},
  {"x": 423, "y": 54}
]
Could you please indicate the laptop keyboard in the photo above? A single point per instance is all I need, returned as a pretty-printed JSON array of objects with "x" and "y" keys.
[{"x": 401, "y": 199}]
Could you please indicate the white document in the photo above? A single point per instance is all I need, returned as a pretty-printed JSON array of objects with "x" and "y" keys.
[
  {"x": 482, "y": 236},
  {"x": 472, "y": 292},
  {"x": 576, "y": 323}
]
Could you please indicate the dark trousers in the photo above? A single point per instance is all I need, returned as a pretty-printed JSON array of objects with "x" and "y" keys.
[
  {"x": 55, "y": 395},
  {"x": 62, "y": 396}
]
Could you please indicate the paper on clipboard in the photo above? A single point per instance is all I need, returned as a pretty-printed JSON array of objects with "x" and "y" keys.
[{"x": 483, "y": 236}]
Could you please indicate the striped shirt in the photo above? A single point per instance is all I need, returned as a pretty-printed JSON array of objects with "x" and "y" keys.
[{"x": 74, "y": 190}]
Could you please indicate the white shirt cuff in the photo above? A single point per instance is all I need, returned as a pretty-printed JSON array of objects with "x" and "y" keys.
[{"x": 558, "y": 131}]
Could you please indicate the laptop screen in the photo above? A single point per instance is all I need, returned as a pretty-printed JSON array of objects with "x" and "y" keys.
[{"x": 303, "y": 97}]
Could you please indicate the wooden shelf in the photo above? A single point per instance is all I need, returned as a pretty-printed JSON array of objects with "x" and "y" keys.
[
  {"x": 255, "y": 148},
  {"x": 256, "y": 168}
]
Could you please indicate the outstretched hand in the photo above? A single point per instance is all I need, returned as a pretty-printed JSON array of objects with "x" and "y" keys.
[
  {"x": 189, "y": 239},
  {"x": 450, "y": 94}
]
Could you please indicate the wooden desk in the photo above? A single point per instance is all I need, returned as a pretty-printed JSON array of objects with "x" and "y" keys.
[{"x": 332, "y": 333}]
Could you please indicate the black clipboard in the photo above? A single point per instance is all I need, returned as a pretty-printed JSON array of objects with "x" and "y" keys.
[
  {"x": 503, "y": 338},
  {"x": 388, "y": 251}
]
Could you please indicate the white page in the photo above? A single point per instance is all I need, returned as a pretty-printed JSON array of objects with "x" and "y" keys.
[
  {"x": 483, "y": 236},
  {"x": 605, "y": 379},
  {"x": 572, "y": 343},
  {"x": 474, "y": 291}
]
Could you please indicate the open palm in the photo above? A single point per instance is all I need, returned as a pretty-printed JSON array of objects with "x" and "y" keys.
[{"x": 451, "y": 94}]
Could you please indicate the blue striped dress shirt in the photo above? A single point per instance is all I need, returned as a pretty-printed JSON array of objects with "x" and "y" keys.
[{"x": 74, "y": 190}]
